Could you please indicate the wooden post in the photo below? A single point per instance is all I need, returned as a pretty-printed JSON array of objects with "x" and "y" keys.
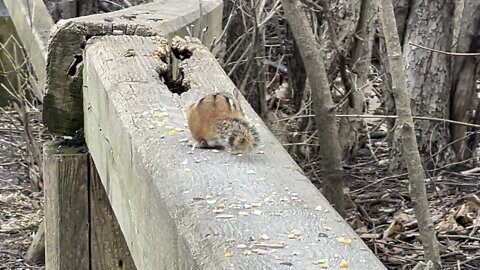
[
  {"x": 66, "y": 207},
  {"x": 81, "y": 229}
]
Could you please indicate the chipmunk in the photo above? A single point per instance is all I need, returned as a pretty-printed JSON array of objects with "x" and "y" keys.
[{"x": 217, "y": 121}]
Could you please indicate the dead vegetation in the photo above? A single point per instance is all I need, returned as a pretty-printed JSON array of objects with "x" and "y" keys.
[{"x": 21, "y": 136}]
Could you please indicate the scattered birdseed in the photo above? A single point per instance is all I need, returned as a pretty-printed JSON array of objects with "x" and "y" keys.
[
  {"x": 263, "y": 237},
  {"x": 344, "y": 264},
  {"x": 224, "y": 216},
  {"x": 256, "y": 204}
]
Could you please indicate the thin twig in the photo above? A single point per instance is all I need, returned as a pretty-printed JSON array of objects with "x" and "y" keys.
[
  {"x": 414, "y": 117},
  {"x": 444, "y": 52}
]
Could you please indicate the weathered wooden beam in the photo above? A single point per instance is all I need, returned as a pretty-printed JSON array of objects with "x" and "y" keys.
[
  {"x": 63, "y": 111},
  {"x": 66, "y": 207},
  {"x": 32, "y": 23},
  {"x": 180, "y": 208}
]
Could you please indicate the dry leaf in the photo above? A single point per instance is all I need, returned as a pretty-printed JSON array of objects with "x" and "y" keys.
[
  {"x": 462, "y": 217},
  {"x": 395, "y": 229},
  {"x": 448, "y": 224},
  {"x": 473, "y": 201}
]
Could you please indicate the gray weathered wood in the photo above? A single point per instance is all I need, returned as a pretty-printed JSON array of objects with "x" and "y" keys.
[
  {"x": 81, "y": 229},
  {"x": 63, "y": 111},
  {"x": 164, "y": 193},
  {"x": 66, "y": 208},
  {"x": 32, "y": 23},
  {"x": 108, "y": 247}
]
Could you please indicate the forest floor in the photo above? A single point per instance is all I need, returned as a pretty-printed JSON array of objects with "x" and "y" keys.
[
  {"x": 21, "y": 209},
  {"x": 381, "y": 209},
  {"x": 381, "y": 212}
]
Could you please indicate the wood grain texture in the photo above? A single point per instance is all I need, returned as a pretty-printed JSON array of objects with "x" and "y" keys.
[
  {"x": 32, "y": 23},
  {"x": 66, "y": 211},
  {"x": 164, "y": 193},
  {"x": 63, "y": 113},
  {"x": 108, "y": 247}
]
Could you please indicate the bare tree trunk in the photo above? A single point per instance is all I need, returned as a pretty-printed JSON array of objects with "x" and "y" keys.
[
  {"x": 465, "y": 70},
  {"x": 401, "y": 8},
  {"x": 296, "y": 73},
  {"x": 322, "y": 103},
  {"x": 428, "y": 79},
  {"x": 457, "y": 17},
  {"x": 407, "y": 136},
  {"x": 360, "y": 62}
]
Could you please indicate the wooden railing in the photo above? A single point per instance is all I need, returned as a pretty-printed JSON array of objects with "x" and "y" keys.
[{"x": 134, "y": 194}]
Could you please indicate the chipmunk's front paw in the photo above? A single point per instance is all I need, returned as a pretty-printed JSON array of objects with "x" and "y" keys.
[{"x": 202, "y": 144}]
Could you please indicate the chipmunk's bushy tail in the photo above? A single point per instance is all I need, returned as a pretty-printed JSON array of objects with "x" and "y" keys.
[{"x": 238, "y": 134}]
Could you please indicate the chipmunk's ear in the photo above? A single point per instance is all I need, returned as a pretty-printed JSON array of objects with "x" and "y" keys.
[
  {"x": 236, "y": 96},
  {"x": 236, "y": 93}
]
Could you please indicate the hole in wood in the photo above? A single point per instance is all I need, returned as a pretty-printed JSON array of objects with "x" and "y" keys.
[
  {"x": 172, "y": 73},
  {"x": 72, "y": 70},
  {"x": 120, "y": 263},
  {"x": 182, "y": 53},
  {"x": 173, "y": 78}
]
